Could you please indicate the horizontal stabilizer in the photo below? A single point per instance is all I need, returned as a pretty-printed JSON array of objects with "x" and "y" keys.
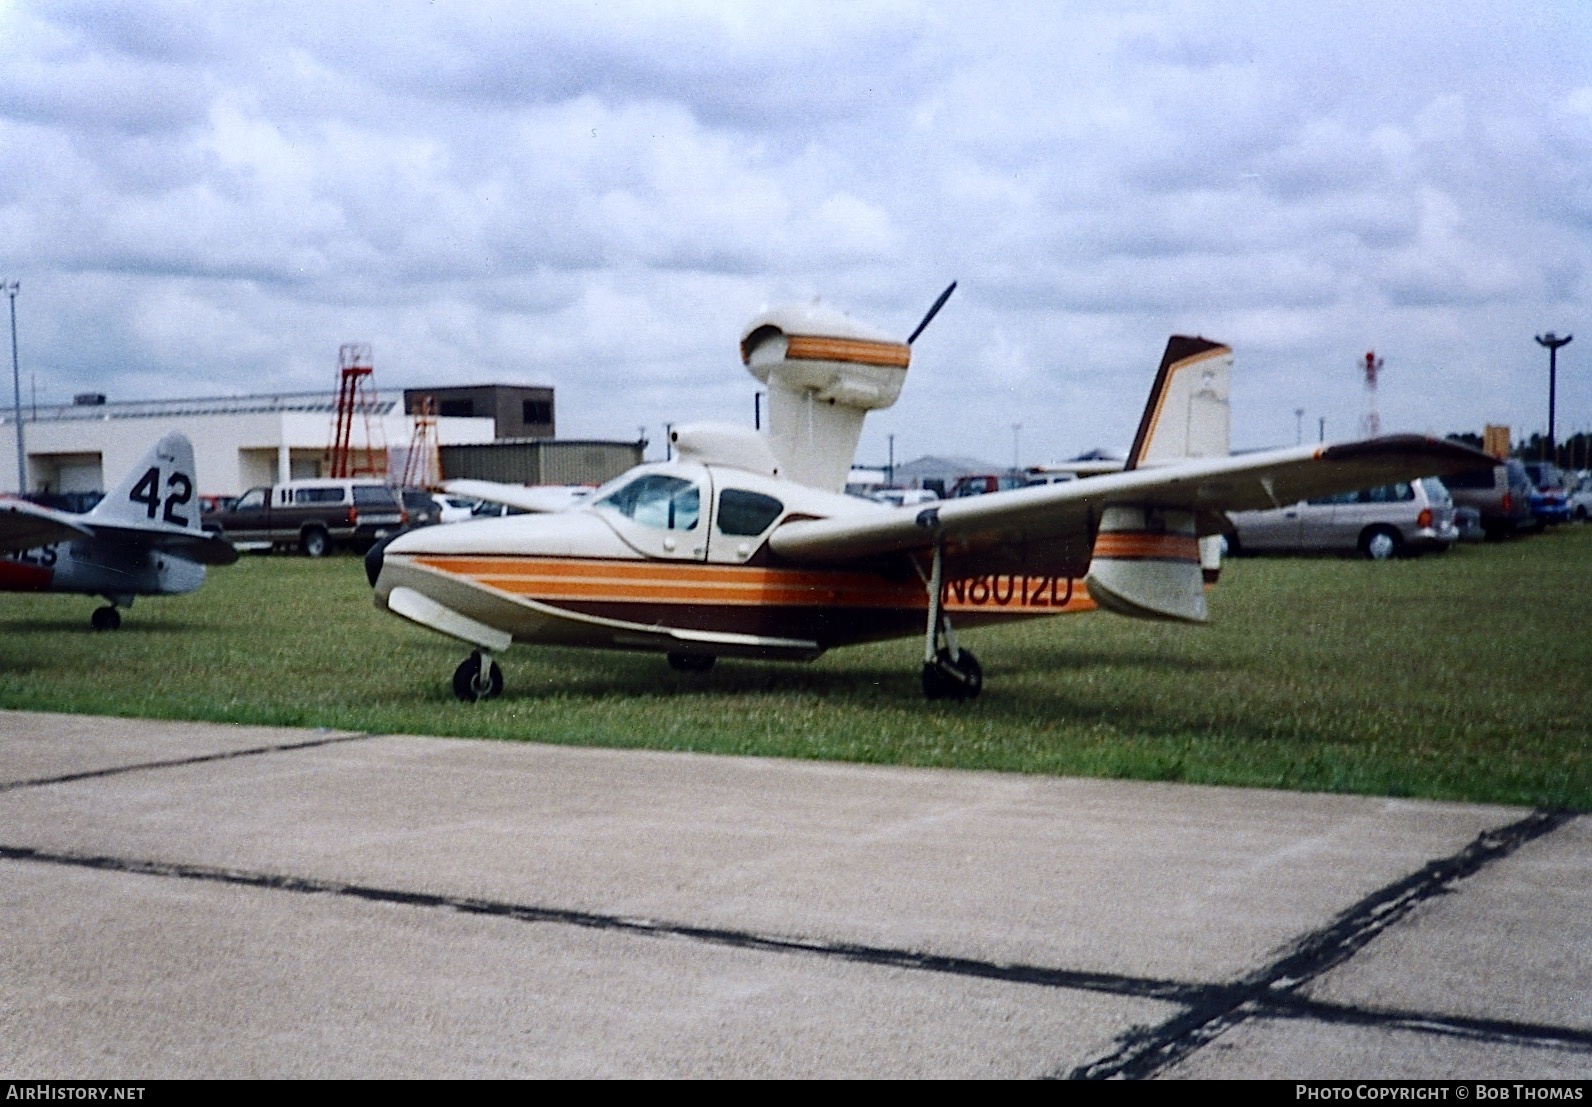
[{"x": 27, "y": 526}]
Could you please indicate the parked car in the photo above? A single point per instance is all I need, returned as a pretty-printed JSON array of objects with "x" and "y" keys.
[
  {"x": 455, "y": 509},
  {"x": 420, "y": 507},
  {"x": 314, "y": 515},
  {"x": 1549, "y": 502},
  {"x": 1580, "y": 498},
  {"x": 1501, "y": 494},
  {"x": 981, "y": 483},
  {"x": 1467, "y": 520},
  {"x": 899, "y": 497},
  {"x": 1388, "y": 521}
]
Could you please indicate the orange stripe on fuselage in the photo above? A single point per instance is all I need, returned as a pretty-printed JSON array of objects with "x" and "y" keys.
[
  {"x": 553, "y": 580},
  {"x": 805, "y": 347},
  {"x": 1129, "y": 546}
]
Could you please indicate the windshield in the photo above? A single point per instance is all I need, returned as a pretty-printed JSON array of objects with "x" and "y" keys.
[{"x": 656, "y": 500}]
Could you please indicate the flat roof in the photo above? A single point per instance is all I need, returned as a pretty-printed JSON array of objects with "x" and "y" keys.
[{"x": 264, "y": 404}]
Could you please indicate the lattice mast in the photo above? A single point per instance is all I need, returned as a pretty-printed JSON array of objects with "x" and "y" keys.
[
  {"x": 1371, "y": 365},
  {"x": 423, "y": 465},
  {"x": 356, "y": 403}
]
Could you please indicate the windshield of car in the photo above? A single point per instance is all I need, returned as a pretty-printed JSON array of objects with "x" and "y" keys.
[
  {"x": 657, "y": 500},
  {"x": 372, "y": 495}
]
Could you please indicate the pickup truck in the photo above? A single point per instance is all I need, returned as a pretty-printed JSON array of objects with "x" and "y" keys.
[{"x": 315, "y": 516}]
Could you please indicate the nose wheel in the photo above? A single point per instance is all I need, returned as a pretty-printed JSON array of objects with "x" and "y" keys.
[
  {"x": 106, "y": 618},
  {"x": 477, "y": 678}
]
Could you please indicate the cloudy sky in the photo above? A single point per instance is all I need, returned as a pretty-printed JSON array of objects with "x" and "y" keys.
[{"x": 209, "y": 198}]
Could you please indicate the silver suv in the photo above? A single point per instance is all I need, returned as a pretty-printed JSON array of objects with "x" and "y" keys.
[{"x": 1388, "y": 521}]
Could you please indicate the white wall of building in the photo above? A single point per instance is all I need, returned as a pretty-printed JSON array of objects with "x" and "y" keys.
[{"x": 232, "y": 452}]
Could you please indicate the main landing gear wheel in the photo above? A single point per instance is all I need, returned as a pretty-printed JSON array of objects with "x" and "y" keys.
[
  {"x": 945, "y": 679},
  {"x": 105, "y": 618},
  {"x": 477, "y": 678},
  {"x": 691, "y": 662}
]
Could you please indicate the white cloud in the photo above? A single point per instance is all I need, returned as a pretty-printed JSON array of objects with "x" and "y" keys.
[{"x": 600, "y": 195}]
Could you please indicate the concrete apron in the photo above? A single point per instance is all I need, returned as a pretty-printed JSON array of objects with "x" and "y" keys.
[{"x": 193, "y": 900}]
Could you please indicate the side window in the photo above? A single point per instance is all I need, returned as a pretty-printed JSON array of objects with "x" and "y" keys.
[
  {"x": 317, "y": 495},
  {"x": 252, "y": 500},
  {"x": 742, "y": 512},
  {"x": 655, "y": 500},
  {"x": 1388, "y": 494},
  {"x": 1337, "y": 498}
]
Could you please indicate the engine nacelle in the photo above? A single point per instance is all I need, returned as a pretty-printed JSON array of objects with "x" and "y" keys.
[{"x": 824, "y": 372}]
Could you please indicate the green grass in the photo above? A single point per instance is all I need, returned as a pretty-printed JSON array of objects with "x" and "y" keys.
[{"x": 1458, "y": 677}]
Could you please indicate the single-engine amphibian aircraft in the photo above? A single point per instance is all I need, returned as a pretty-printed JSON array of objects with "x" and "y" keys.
[
  {"x": 746, "y": 546},
  {"x": 143, "y": 539}
]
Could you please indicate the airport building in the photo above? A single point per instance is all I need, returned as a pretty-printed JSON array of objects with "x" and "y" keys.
[{"x": 501, "y": 432}]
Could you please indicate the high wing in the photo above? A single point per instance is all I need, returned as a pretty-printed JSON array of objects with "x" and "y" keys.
[
  {"x": 27, "y": 526},
  {"x": 1052, "y": 528},
  {"x": 539, "y": 500}
]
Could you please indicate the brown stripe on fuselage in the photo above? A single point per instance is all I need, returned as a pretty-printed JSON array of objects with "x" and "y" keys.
[{"x": 832, "y": 607}]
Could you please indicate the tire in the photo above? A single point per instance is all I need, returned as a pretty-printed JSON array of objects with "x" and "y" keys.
[
  {"x": 1380, "y": 544},
  {"x": 691, "y": 662},
  {"x": 471, "y": 685},
  {"x": 314, "y": 543},
  {"x": 105, "y": 618},
  {"x": 944, "y": 679}
]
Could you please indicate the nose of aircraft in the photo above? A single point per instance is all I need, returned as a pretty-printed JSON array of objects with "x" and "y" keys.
[{"x": 374, "y": 557}]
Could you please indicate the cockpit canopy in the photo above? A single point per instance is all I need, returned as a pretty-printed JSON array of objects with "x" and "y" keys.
[{"x": 678, "y": 499}]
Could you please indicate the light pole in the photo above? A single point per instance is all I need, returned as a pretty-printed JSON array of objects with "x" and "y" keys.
[
  {"x": 889, "y": 472},
  {"x": 10, "y": 288},
  {"x": 1552, "y": 342},
  {"x": 1016, "y": 456},
  {"x": 1299, "y": 426}
]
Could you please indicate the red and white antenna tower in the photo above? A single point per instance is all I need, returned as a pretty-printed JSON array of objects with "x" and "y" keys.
[
  {"x": 1373, "y": 421},
  {"x": 423, "y": 465},
  {"x": 342, "y": 459}
]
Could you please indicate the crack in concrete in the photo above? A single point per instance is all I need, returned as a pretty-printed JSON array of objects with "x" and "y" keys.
[
  {"x": 1148, "y": 1051},
  {"x": 197, "y": 759}
]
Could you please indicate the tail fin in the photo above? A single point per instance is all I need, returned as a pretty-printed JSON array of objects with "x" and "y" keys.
[
  {"x": 158, "y": 493},
  {"x": 1151, "y": 562},
  {"x": 1187, "y": 414}
]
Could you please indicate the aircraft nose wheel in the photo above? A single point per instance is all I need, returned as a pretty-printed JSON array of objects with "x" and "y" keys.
[
  {"x": 105, "y": 618},
  {"x": 477, "y": 678},
  {"x": 947, "y": 679}
]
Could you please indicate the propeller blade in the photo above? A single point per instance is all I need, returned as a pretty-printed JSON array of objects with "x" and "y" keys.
[{"x": 933, "y": 311}]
